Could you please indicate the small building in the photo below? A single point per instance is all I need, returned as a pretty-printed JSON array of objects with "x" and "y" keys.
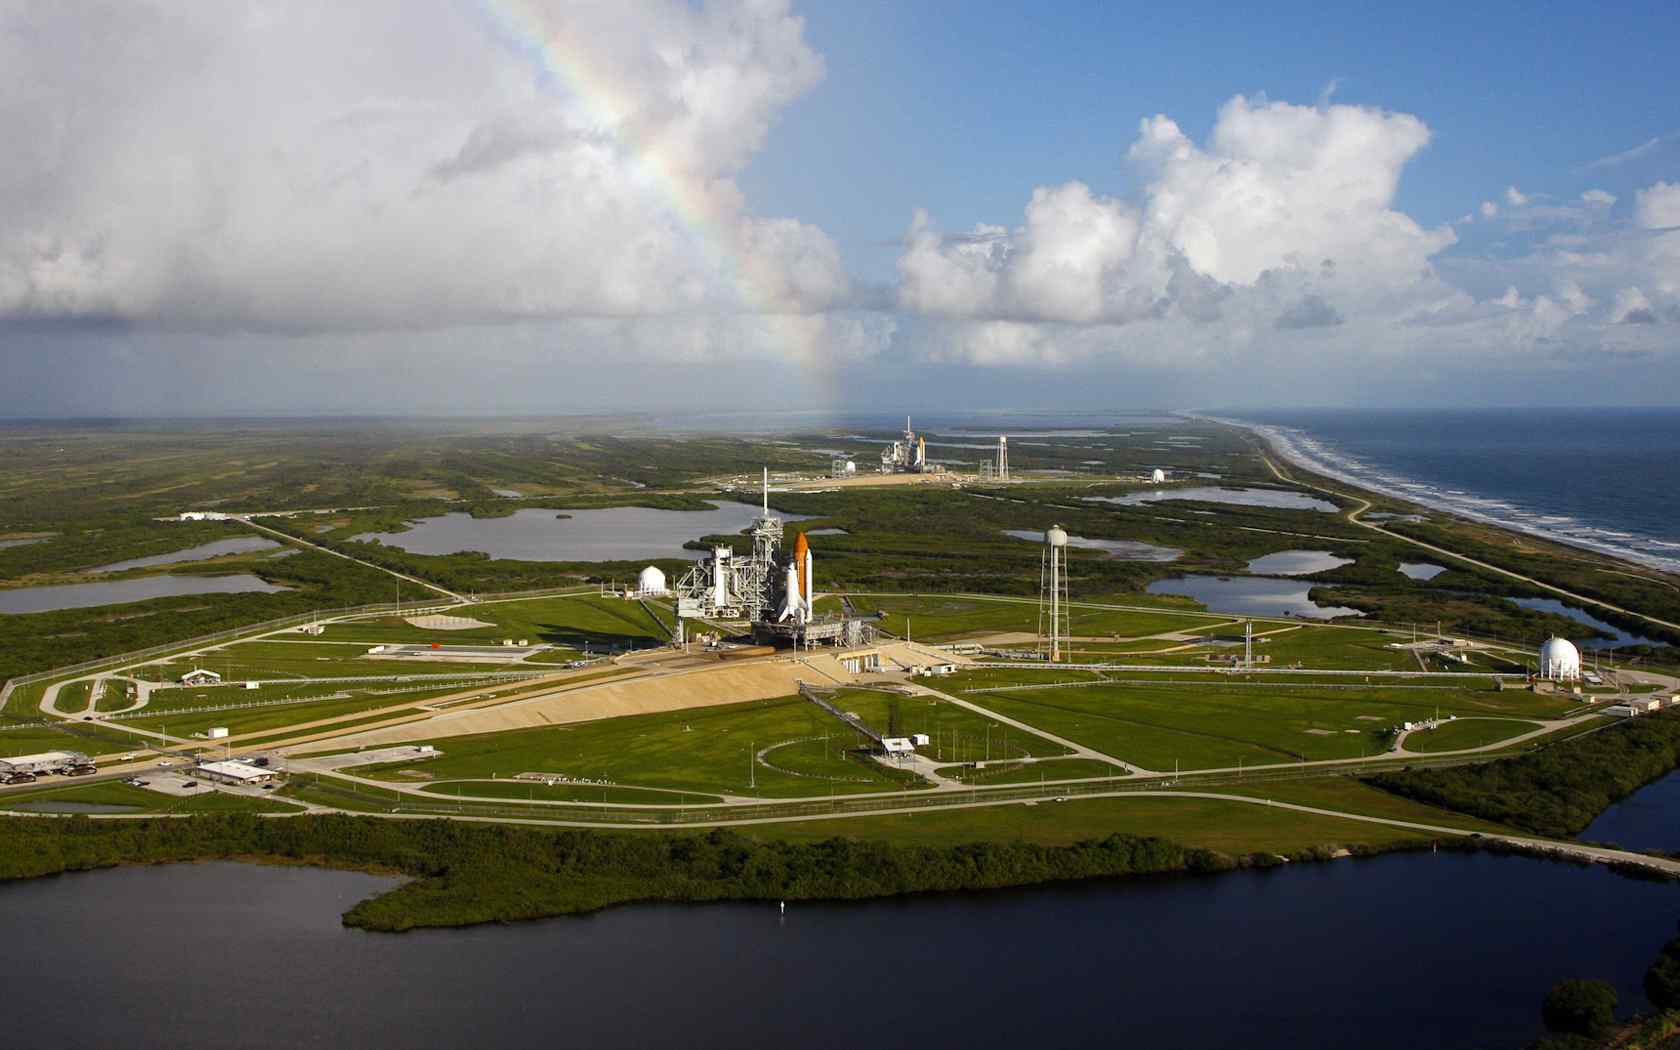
[
  {"x": 920, "y": 739},
  {"x": 897, "y": 745},
  {"x": 859, "y": 663},
  {"x": 216, "y": 732},
  {"x": 43, "y": 762},
  {"x": 253, "y": 685},
  {"x": 1646, "y": 704},
  {"x": 1622, "y": 710},
  {"x": 233, "y": 771},
  {"x": 199, "y": 676}
]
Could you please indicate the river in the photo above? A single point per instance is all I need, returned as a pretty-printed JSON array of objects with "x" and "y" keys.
[{"x": 1401, "y": 951}]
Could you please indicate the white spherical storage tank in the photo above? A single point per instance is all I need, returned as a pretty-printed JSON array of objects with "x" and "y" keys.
[
  {"x": 651, "y": 581},
  {"x": 1056, "y": 536},
  {"x": 1158, "y": 476},
  {"x": 1560, "y": 660},
  {"x": 851, "y": 467}
]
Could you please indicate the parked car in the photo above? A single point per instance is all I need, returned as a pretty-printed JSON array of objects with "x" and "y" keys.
[
  {"x": 189, "y": 784},
  {"x": 20, "y": 778}
]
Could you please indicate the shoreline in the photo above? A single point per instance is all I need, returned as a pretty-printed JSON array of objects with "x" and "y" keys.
[{"x": 1280, "y": 440}]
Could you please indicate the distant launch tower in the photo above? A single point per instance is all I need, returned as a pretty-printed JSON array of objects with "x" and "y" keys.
[
  {"x": 1053, "y": 595},
  {"x": 1003, "y": 457}
]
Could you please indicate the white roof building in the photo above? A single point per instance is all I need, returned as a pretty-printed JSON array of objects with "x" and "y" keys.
[
  {"x": 897, "y": 745},
  {"x": 45, "y": 760},
  {"x": 237, "y": 772},
  {"x": 199, "y": 676}
]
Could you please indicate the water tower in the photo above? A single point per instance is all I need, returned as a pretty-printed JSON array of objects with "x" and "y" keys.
[{"x": 1052, "y": 595}]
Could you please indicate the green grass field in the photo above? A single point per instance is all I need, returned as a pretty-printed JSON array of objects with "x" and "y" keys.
[
  {"x": 936, "y": 618},
  {"x": 252, "y": 719},
  {"x": 572, "y": 622},
  {"x": 1032, "y": 772},
  {"x": 1196, "y": 726},
  {"x": 710, "y": 750},
  {"x": 68, "y": 736},
  {"x": 115, "y": 793},
  {"x": 302, "y": 660},
  {"x": 528, "y": 790},
  {"x": 1467, "y": 732}
]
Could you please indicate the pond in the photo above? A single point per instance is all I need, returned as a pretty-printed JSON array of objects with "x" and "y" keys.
[
  {"x": 89, "y": 595},
  {"x": 1304, "y": 955},
  {"x": 827, "y": 532},
  {"x": 1282, "y": 499},
  {"x": 1297, "y": 563},
  {"x": 23, "y": 541},
  {"x": 608, "y": 534},
  {"x": 1422, "y": 570},
  {"x": 1251, "y": 596},
  {"x": 1618, "y": 636},
  {"x": 1648, "y": 819},
  {"x": 1119, "y": 550},
  {"x": 237, "y": 545}
]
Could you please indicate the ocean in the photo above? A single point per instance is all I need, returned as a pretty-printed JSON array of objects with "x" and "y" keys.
[{"x": 1604, "y": 479}]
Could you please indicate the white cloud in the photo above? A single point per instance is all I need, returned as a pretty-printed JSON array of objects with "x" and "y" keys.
[
  {"x": 208, "y": 165},
  {"x": 1657, "y": 206},
  {"x": 1598, "y": 198},
  {"x": 1632, "y": 307},
  {"x": 1515, "y": 197},
  {"x": 1289, "y": 205},
  {"x": 1489, "y": 210}
]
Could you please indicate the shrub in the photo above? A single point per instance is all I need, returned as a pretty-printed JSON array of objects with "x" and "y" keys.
[{"x": 1579, "y": 1007}]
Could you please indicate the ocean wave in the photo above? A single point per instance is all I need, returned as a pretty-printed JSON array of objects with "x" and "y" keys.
[{"x": 1302, "y": 449}]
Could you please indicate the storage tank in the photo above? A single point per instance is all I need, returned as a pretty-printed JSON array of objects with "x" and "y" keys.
[
  {"x": 1560, "y": 661},
  {"x": 651, "y": 581},
  {"x": 1158, "y": 476}
]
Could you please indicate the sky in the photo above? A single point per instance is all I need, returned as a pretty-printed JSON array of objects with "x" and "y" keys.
[{"x": 212, "y": 207}]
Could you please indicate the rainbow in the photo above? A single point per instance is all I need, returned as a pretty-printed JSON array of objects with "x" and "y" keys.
[{"x": 564, "y": 64}]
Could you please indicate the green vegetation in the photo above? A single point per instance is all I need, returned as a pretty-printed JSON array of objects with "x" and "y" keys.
[
  {"x": 1465, "y": 733},
  {"x": 1032, "y": 772},
  {"x": 1231, "y": 828},
  {"x": 938, "y": 618},
  {"x": 574, "y": 623},
  {"x": 140, "y": 800},
  {"x": 1224, "y": 723},
  {"x": 1578, "y": 1007},
  {"x": 537, "y": 790},
  {"x": 711, "y": 750},
  {"x": 1556, "y": 791},
  {"x": 466, "y": 873},
  {"x": 1662, "y": 980}
]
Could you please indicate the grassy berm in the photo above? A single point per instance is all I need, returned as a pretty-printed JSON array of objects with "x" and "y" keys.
[{"x": 465, "y": 874}]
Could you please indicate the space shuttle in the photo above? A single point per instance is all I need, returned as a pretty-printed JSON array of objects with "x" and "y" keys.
[
  {"x": 921, "y": 453},
  {"x": 799, "y": 587}
]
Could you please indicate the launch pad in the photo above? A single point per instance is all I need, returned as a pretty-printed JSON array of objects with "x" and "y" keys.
[{"x": 774, "y": 593}]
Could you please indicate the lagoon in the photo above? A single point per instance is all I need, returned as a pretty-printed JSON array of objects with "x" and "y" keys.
[{"x": 546, "y": 534}]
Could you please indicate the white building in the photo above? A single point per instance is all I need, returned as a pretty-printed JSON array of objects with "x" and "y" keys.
[
  {"x": 44, "y": 762},
  {"x": 199, "y": 676},
  {"x": 234, "y": 772},
  {"x": 1560, "y": 661}
]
